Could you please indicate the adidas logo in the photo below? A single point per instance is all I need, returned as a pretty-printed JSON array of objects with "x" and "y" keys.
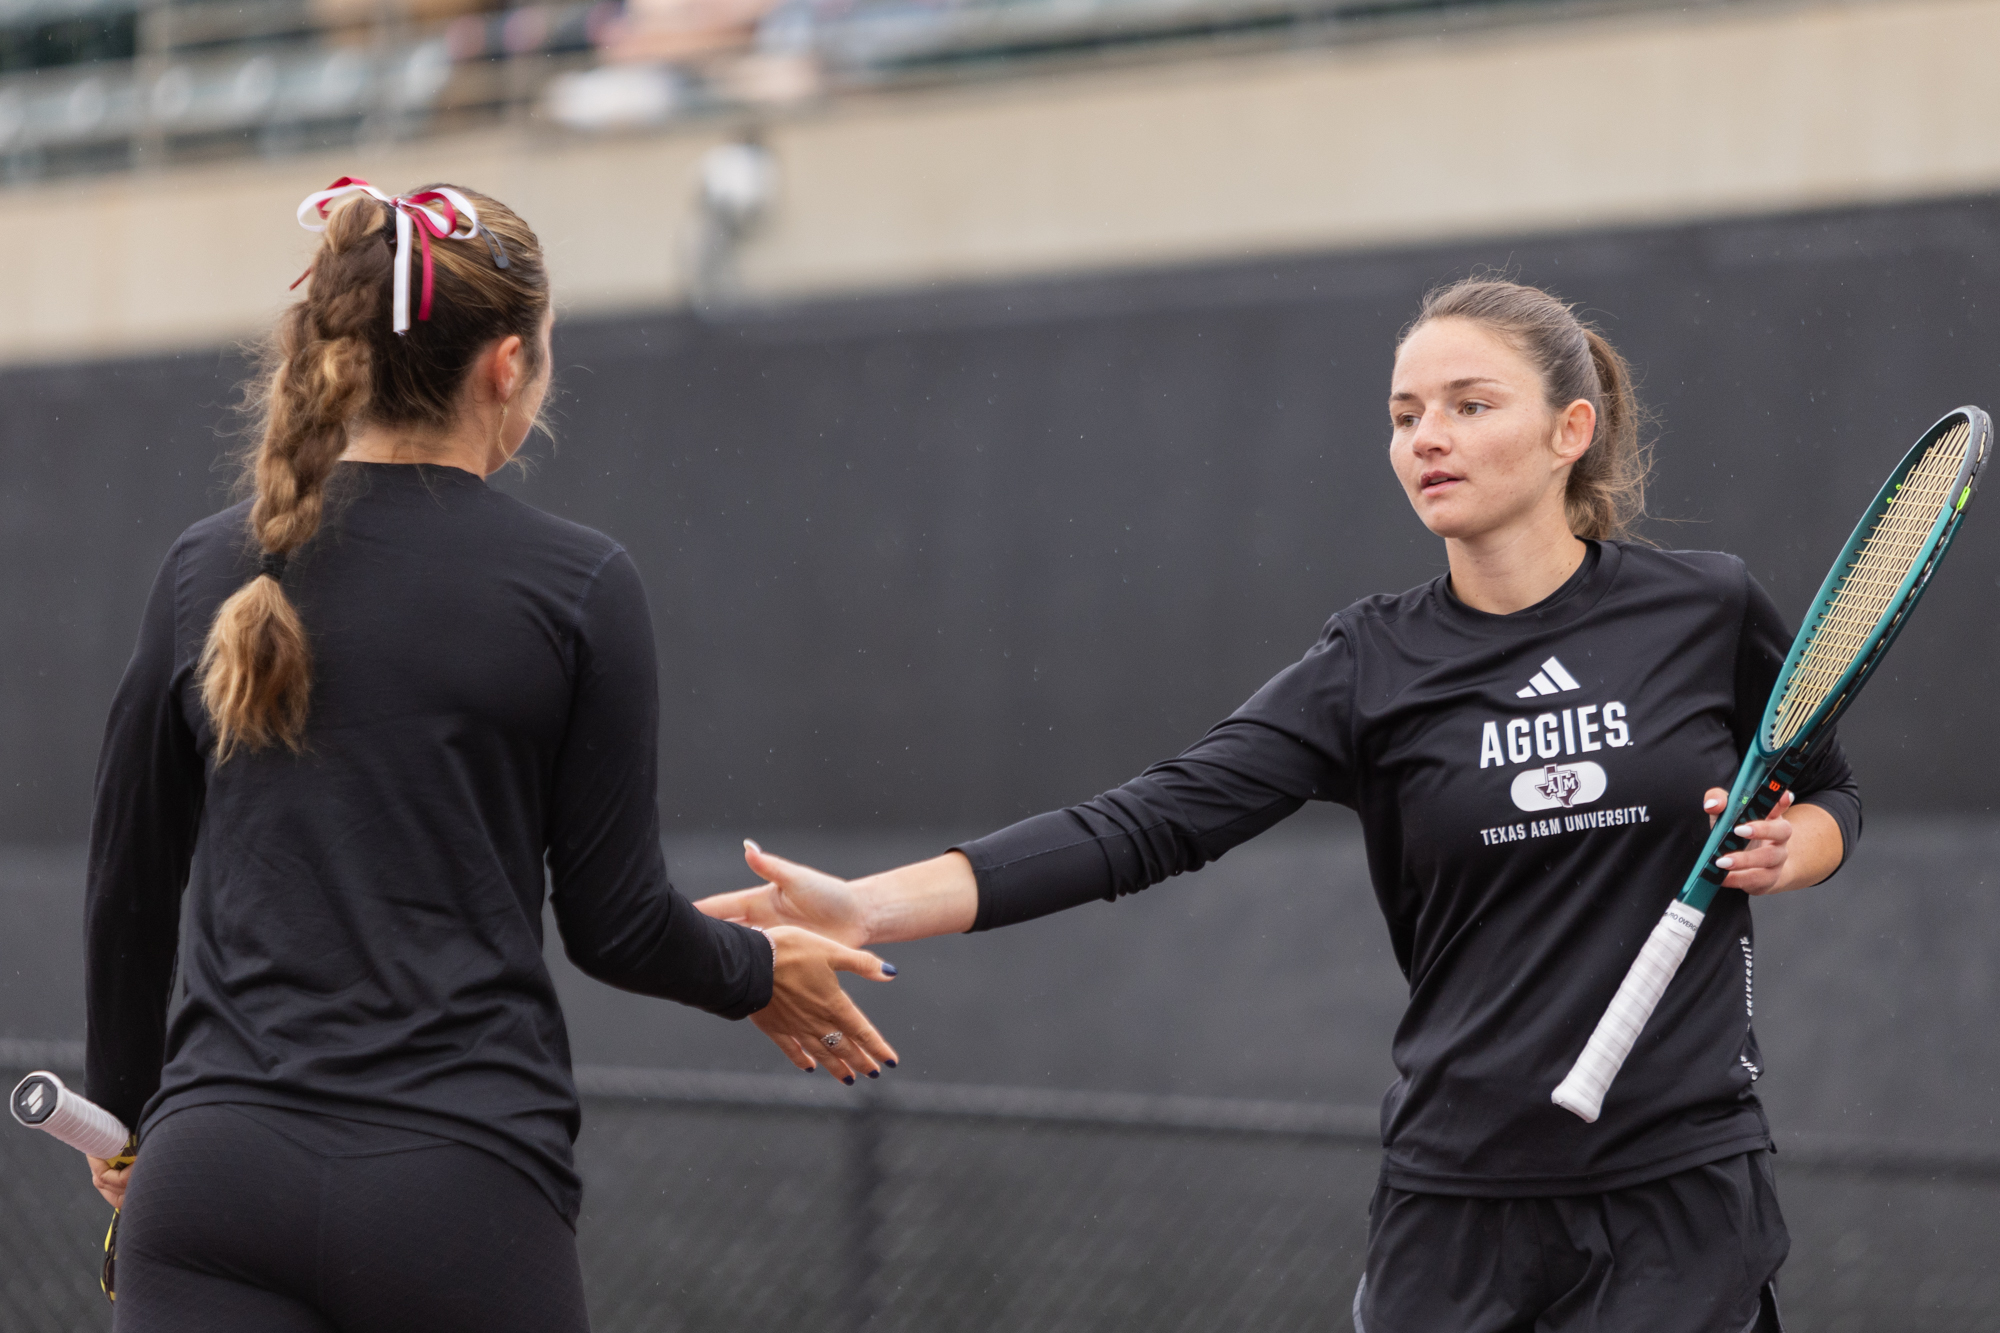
[{"x": 1551, "y": 679}]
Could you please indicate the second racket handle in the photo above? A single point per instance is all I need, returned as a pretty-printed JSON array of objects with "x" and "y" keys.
[
  {"x": 41, "y": 1101},
  {"x": 1582, "y": 1093}
]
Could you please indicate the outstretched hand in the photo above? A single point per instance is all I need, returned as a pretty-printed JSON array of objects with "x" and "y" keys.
[
  {"x": 793, "y": 895},
  {"x": 810, "y": 1017}
]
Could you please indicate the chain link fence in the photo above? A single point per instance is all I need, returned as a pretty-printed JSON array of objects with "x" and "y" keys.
[
  {"x": 922, "y": 1207},
  {"x": 743, "y": 1201},
  {"x": 728, "y": 1202}
]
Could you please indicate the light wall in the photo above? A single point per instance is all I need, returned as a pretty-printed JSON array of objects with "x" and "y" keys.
[{"x": 1531, "y": 127}]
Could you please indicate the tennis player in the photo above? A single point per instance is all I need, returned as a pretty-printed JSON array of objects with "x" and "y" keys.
[
  {"x": 367, "y": 708},
  {"x": 1527, "y": 740}
]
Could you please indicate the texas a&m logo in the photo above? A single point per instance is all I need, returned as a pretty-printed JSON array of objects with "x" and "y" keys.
[{"x": 1558, "y": 786}]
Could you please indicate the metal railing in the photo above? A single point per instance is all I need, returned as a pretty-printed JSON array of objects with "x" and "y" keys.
[
  {"x": 1357, "y": 1126},
  {"x": 111, "y": 84}
]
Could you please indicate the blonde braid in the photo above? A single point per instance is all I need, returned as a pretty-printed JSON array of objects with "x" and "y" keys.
[{"x": 256, "y": 668}]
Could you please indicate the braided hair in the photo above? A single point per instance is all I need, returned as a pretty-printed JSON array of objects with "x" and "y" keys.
[{"x": 333, "y": 363}]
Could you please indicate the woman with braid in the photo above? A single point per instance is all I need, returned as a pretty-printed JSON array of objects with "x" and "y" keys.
[{"x": 368, "y": 707}]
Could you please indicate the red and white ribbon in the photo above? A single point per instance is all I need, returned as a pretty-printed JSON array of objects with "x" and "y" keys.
[{"x": 443, "y": 213}]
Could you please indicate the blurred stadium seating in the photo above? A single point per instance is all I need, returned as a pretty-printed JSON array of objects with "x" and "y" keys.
[{"x": 103, "y": 85}]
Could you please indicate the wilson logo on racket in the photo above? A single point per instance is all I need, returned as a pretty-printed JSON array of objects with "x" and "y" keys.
[{"x": 1559, "y": 786}]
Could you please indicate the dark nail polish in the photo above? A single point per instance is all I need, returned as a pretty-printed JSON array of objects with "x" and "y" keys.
[
  {"x": 874, "y": 1073},
  {"x": 890, "y": 1063},
  {"x": 848, "y": 1079},
  {"x": 812, "y": 1069},
  {"x": 889, "y": 969}
]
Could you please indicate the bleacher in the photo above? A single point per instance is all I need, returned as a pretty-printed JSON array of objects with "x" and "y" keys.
[{"x": 107, "y": 85}]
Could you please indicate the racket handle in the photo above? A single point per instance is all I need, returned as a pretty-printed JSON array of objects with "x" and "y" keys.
[
  {"x": 1582, "y": 1093},
  {"x": 41, "y": 1101}
]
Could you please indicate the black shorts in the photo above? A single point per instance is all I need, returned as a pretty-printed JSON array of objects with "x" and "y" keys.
[
  {"x": 1695, "y": 1252},
  {"x": 245, "y": 1219}
]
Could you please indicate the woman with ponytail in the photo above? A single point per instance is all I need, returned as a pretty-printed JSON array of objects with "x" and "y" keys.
[
  {"x": 373, "y": 710},
  {"x": 1532, "y": 742}
]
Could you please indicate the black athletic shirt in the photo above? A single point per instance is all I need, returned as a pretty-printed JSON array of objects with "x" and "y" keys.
[
  {"x": 363, "y": 927},
  {"x": 1529, "y": 786}
]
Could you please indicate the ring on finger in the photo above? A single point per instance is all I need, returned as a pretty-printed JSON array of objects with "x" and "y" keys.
[{"x": 832, "y": 1040}]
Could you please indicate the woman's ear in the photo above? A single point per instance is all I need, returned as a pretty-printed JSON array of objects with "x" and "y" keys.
[
  {"x": 1576, "y": 426},
  {"x": 507, "y": 367}
]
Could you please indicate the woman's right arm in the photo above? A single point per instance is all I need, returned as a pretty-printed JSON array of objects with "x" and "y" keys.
[
  {"x": 913, "y": 902},
  {"x": 1286, "y": 746}
]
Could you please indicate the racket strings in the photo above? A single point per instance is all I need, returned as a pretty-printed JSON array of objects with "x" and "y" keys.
[{"x": 1866, "y": 594}]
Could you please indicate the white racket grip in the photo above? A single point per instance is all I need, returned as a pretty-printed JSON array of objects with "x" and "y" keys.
[
  {"x": 1582, "y": 1093},
  {"x": 75, "y": 1119}
]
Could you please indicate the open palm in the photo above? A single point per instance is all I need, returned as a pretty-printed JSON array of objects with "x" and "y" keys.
[{"x": 793, "y": 895}]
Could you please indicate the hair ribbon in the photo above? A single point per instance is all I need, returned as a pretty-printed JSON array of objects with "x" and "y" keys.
[{"x": 443, "y": 213}]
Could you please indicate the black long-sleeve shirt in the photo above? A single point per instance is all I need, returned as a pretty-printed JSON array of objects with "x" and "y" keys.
[
  {"x": 1529, "y": 787},
  {"x": 364, "y": 920}
]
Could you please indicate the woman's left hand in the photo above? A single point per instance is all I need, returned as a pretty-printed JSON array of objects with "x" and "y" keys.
[
  {"x": 1760, "y": 867},
  {"x": 810, "y": 1017}
]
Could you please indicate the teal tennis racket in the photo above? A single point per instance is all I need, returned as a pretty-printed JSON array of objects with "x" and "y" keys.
[{"x": 1861, "y": 608}]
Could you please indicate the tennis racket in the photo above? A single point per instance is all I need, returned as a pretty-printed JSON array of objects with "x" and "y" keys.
[
  {"x": 1861, "y": 608},
  {"x": 42, "y": 1101}
]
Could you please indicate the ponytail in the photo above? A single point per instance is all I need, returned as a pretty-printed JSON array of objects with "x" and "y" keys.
[
  {"x": 256, "y": 670},
  {"x": 1607, "y": 486},
  {"x": 1606, "y": 492},
  {"x": 334, "y": 360}
]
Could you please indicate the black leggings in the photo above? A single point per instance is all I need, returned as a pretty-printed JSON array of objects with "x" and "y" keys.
[{"x": 245, "y": 1219}]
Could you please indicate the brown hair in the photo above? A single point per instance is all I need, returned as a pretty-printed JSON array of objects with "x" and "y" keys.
[
  {"x": 333, "y": 362},
  {"x": 1606, "y": 493}
]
